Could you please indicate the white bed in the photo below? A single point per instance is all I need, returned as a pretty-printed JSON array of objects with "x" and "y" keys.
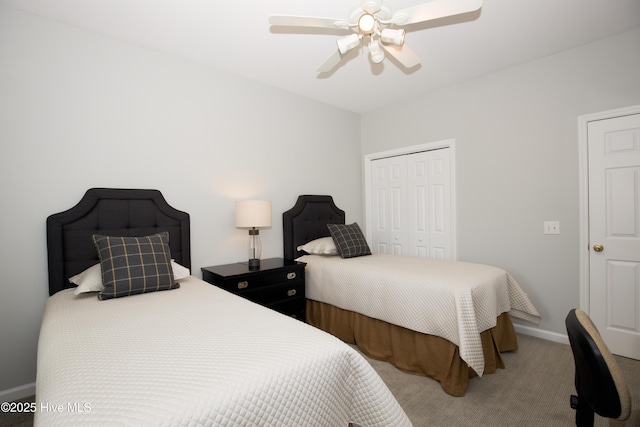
[
  {"x": 198, "y": 355},
  {"x": 452, "y": 300},
  {"x": 190, "y": 355},
  {"x": 446, "y": 320}
]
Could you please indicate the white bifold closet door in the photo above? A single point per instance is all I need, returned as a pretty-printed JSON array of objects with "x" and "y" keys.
[{"x": 411, "y": 204}]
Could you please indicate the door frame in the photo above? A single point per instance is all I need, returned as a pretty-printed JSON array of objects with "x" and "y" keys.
[
  {"x": 583, "y": 170},
  {"x": 368, "y": 158}
]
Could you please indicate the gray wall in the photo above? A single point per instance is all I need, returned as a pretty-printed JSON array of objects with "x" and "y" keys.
[
  {"x": 78, "y": 110},
  {"x": 516, "y": 135}
]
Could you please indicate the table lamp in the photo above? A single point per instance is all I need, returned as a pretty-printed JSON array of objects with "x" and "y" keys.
[{"x": 252, "y": 215}]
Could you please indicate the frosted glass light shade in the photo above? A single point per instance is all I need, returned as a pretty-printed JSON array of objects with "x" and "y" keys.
[
  {"x": 390, "y": 36},
  {"x": 366, "y": 23},
  {"x": 347, "y": 43},
  {"x": 376, "y": 53},
  {"x": 253, "y": 214}
]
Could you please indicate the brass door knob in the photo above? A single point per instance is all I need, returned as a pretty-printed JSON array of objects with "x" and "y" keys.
[{"x": 598, "y": 247}]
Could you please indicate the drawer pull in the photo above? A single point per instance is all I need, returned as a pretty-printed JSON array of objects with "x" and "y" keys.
[
  {"x": 291, "y": 292},
  {"x": 291, "y": 275},
  {"x": 243, "y": 285}
]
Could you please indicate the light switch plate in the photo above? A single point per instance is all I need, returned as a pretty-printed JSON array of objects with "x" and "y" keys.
[{"x": 552, "y": 227}]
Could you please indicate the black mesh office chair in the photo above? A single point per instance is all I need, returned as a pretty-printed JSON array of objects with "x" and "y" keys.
[{"x": 599, "y": 382}]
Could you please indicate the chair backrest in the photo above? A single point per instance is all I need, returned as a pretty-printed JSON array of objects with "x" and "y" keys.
[{"x": 598, "y": 378}]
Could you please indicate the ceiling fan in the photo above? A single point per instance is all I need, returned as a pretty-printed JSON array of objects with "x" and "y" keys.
[{"x": 375, "y": 23}]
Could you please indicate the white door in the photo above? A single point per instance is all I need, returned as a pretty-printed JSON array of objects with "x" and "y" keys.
[
  {"x": 440, "y": 204},
  {"x": 379, "y": 217},
  {"x": 389, "y": 198},
  {"x": 411, "y": 204},
  {"x": 418, "y": 204},
  {"x": 614, "y": 231},
  {"x": 429, "y": 204}
]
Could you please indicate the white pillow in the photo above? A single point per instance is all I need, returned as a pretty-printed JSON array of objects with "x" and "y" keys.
[
  {"x": 179, "y": 271},
  {"x": 322, "y": 246},
  {"x": 90, "y": 280}
]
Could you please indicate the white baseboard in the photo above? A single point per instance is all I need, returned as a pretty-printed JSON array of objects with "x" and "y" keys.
[
  {"x": 18, "y": 392},
  {"x": 540, "y": 333}
]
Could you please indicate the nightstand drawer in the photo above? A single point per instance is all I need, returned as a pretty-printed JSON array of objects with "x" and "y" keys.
[
  {"x": 294, "y": 308},
  {"x": 271, "y": 294},
  {"x": 250, "y": 282}
]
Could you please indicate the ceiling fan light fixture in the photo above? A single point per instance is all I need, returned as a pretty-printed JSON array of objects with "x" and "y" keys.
[
  {"x": 375, "y": 52},
  {"x": 390, "y": 36},
  {"x": 366, "y": 24},
  {"x": 345, "y": 44}
]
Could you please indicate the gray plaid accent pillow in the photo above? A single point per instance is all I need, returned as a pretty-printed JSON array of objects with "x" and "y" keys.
[
  {"x": 134, "y": 265},
  {"x": 349, "y": 240}
]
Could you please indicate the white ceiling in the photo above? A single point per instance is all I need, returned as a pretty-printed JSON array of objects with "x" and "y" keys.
[{"x": 235, "y": 36}]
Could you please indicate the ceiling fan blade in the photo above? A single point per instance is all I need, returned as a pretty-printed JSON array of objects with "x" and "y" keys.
[
  {"x": 307, "y": 21},
  {"x": 433, "y": 10},
  {"x": 330, "y": 63},
  {"x": 403, "y": 54}
]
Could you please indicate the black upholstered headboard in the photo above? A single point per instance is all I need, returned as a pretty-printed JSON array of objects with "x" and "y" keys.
[
  {"x": 307, "y": 220},
  {"x": 113, "y": 212}
]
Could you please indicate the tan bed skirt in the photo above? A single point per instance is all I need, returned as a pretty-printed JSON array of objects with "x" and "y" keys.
[{"x": 411, "y": 351}]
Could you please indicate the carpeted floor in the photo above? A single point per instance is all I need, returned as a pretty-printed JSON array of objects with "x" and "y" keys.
[
  {"x": 533, "y": 390},
  {"x": 17, "y": 419}
]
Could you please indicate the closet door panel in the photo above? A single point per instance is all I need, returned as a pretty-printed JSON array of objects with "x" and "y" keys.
[
  {"x": 379, "y": 206},
  {"x": 440, "y": 233},
  {"x": 411, "y": 204},
  {"x": 418, "y": 204},
  {"x": 399, "y": 233}
]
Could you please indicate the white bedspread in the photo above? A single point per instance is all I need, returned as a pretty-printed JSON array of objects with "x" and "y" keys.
[
  {"x": 198, "y": 355},
  {"x": 453, "y": 300}
]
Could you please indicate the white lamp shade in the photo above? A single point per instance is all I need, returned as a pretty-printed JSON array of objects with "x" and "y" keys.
[
  {"x": 390, "y": 36},
  {"x": 347, "y": 43},
  {"x": 376, "y": 53},
  {"x": 253, "y": 213}
]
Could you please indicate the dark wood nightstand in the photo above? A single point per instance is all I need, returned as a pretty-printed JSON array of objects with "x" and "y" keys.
[{"x": 278, "y": 284}]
